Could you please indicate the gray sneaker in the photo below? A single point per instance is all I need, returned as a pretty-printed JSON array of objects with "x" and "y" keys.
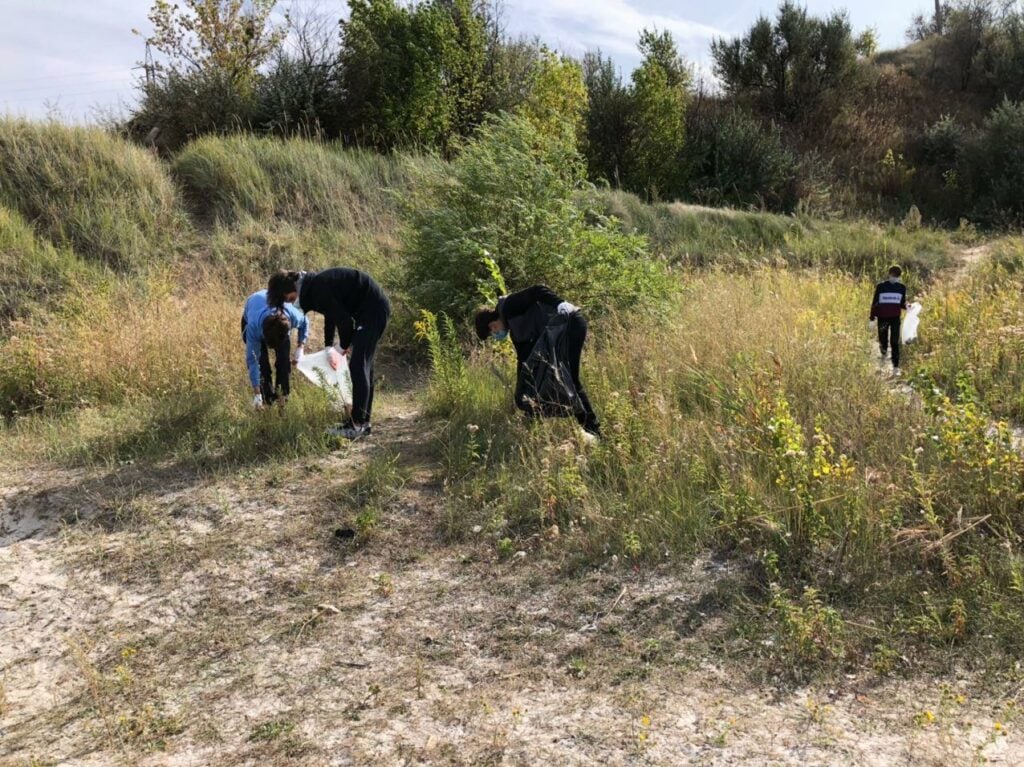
[{"x": 349, "y": 431}]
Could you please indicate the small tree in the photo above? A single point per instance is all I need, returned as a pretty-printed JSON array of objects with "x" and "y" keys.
[
  {"x": 657, "y": 127},
  {"x": 557, "y": 99},
  {"x": 791, "y": 69},
  {"x": 412, "y": 75},
  {"x": 608, "y": 107},
  {"x": 234, "y": 37},
  {"x": 996, "y": 165},
  {"x": 213, "y": 50}
]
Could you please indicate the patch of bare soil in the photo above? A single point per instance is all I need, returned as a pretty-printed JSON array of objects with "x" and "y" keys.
[
  {"x": 967, "y": 259},
  {"x": 151, "y": 616}
]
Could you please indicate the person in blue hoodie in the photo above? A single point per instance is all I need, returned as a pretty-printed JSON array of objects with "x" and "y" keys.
[{"x": 265, "y": 327}]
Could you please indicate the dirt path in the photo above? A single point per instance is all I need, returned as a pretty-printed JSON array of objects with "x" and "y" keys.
[
  {"x": 152, "y": 616},
  {"x": 968, "y": 259}
]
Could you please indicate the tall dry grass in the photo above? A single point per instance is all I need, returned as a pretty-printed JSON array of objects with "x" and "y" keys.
[
  {"x": 972, "y": 338},
  {"x": 148, "y": 369},
  {"x": 751, "y": 419}
]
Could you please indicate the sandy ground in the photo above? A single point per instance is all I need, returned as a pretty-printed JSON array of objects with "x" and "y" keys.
[{"x": 153, "y": 615}]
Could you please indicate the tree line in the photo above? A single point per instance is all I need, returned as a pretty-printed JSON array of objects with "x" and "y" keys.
[{"x": 805, "y": 113}]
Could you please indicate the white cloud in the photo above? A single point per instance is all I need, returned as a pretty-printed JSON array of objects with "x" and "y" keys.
[{"x": 614, "y": 26}]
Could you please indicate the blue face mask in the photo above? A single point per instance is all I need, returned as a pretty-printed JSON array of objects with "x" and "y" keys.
[{"x": 499, "y": 335}]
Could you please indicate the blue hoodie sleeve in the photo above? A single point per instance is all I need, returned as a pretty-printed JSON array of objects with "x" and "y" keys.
[{"x": 299, "y": 322}]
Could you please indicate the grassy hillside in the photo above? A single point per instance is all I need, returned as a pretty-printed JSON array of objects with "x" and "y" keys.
[
  {"x": 743, "y": 415},
  {"x": 109, "y": 201}
]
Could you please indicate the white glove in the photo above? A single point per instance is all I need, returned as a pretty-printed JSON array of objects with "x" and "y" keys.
[
  {"x": 566, "y": 308},
  {"x": 257, "y": 402},
  {"x": 298, "y": 355}
]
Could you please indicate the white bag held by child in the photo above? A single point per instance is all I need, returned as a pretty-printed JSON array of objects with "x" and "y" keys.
[
  {"x": 908, "y": 332},
  {"x": 336, "y": 380}
]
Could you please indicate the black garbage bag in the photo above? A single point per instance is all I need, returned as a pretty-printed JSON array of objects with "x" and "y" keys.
[{"x": 546, "y": 384}]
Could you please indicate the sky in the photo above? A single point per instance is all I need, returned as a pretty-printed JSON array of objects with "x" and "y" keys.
[{"x": 76, "y": 59}]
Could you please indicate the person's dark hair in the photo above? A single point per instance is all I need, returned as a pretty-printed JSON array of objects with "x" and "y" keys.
[
  {"x": 485, "y": 315},
  {"x": 275, "y": 329},
  {"x": 279, "y": 285},
  {"x": 895, "y": 271}
]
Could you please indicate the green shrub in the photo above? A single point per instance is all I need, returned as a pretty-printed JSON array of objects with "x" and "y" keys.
[
  {"x": 81, "y": 188},
  {"x": 996, "y": 165},
  {"x": 732, "y": 159},
  {"x": 184, "y": 105},
  {"x": 508, "y": 196},
  {"x": 36, "y": 274}
]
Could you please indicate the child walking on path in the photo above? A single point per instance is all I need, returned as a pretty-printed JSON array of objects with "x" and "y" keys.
[{"x": 887, "y": 306}]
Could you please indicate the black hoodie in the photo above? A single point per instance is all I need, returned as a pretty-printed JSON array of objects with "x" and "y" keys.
[
  {"x": 526, "y": 313},
  {"x": 347, "y": 298}
]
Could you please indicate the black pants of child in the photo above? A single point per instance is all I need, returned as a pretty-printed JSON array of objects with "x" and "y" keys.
[
  {"x": 889, "y": 336},
  {"x": 283, "y": 367},
  {"x": 360, "y": 364}
]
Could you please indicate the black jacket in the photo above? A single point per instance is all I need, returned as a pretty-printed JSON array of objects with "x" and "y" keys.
[
  {"x": 889, "y": 301},
  {"x": 527, "y": 313},
  {"x": 346, "y": 298}
]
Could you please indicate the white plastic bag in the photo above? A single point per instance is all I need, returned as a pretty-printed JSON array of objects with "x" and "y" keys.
[
  {"x": 908, "y": 331},
  {"x": 338, "y": 383}
]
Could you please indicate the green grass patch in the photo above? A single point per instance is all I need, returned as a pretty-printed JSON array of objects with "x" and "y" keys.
[
  {"x": 106, "y": 199},
  {"x": 695, "y": 236},
  {"x": 231, "y": 178}
]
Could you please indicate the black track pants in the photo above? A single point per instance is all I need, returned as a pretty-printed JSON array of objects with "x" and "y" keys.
[
  {"x": 889, "y": 336},
  {"x": 360, "y": 365},
  {"x": 283, "y": 366}
]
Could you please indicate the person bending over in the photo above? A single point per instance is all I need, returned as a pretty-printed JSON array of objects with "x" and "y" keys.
[
  {"x": 265, "y": 327},
  {"x": 524, "y": 316},
  {"x": 887, "y": 305},
  {"x": 356, "y": 311}
]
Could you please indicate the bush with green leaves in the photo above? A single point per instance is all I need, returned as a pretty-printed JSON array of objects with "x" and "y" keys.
[
  {"x": 181, "y": 106},
  {"x": 733, "y": 159},
  {"x": 509, "y": 197},
  {"x": 412, "y": 75},
  {"x": 996, "y": 165}
]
